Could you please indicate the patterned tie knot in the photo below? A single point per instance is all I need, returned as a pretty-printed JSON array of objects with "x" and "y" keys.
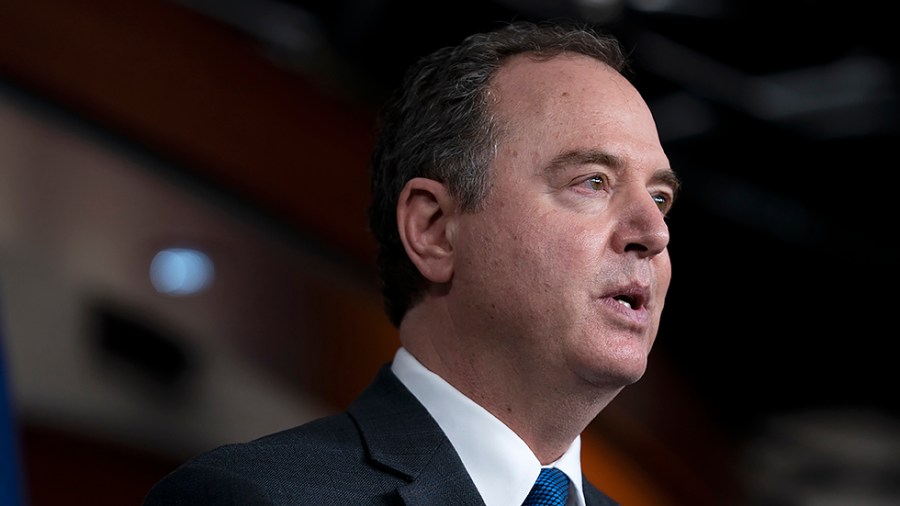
[{"x": 550, "y": 489}]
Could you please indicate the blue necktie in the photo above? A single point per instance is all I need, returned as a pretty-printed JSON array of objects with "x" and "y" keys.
[{"x": 550, "y": 489}]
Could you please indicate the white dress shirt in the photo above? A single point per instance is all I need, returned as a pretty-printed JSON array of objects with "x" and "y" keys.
[{"x": 502, "y": 466}]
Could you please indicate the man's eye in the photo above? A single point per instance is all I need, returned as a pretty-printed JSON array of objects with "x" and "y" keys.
[
  {"x": 596, "y": 183},
  {"x": 663, "y": 202}
]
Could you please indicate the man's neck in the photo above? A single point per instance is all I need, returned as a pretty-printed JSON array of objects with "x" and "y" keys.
[{"x": 547, "y": 416}]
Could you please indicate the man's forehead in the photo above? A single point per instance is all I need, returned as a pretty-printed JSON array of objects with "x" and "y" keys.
[{"x": 566, "y": 81}]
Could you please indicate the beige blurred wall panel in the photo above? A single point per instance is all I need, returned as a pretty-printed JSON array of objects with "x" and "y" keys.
[{"x": 80, "y": 221}]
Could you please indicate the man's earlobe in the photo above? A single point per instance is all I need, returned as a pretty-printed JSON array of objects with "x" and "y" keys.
[{"x": 424, "y": 213}]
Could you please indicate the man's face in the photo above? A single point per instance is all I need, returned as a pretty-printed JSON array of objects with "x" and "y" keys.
[{"x": 565, "y": 269}]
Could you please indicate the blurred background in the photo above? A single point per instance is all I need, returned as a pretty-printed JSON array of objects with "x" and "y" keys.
[{"x": 184, "y": 258}]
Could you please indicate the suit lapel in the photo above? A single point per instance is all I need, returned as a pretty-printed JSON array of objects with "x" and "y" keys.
[
  {"x": 442, "y": 482},
  {"x": 401, "y": 435},
  {"x": 594, "y": 497}
]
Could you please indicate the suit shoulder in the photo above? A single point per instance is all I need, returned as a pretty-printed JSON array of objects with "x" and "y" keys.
[
  {"x": 321, "y": 458},
  {"x": 309, "y": 443}
]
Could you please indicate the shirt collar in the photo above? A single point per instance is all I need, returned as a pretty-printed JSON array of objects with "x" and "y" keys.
[{"x": 501, "y": 465}]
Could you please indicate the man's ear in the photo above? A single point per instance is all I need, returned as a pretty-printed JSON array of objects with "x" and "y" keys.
[{"x": 425, "y": 215}]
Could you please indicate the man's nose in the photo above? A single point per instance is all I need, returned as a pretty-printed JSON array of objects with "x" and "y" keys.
[{"x": 642, "y": 227}]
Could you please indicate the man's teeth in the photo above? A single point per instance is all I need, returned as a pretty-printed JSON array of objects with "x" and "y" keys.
[{"x": 624, "y": 303}]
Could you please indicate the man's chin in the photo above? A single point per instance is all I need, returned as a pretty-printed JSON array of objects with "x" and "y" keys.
[{"x": 618, "y": 376}]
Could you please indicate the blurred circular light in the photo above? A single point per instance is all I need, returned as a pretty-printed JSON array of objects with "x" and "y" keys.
[{"x": 181, "y": 271}]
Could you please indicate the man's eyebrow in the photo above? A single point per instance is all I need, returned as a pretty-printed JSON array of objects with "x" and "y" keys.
[
  {"x": 664, "y": 176},
  {"x": 584, "y": 157},
  {"x": 669, "y": 178}
]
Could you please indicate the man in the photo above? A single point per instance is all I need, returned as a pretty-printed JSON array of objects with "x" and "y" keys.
[{"x": 520, "y": 193}]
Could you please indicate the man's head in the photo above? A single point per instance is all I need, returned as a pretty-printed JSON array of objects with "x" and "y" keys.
[
  {"x": 524, "y": 192},
  {"x": 440, "y": 125}
]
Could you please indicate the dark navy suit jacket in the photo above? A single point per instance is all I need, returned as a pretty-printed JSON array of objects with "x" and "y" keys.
[{"x": 386, "y": 449}]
